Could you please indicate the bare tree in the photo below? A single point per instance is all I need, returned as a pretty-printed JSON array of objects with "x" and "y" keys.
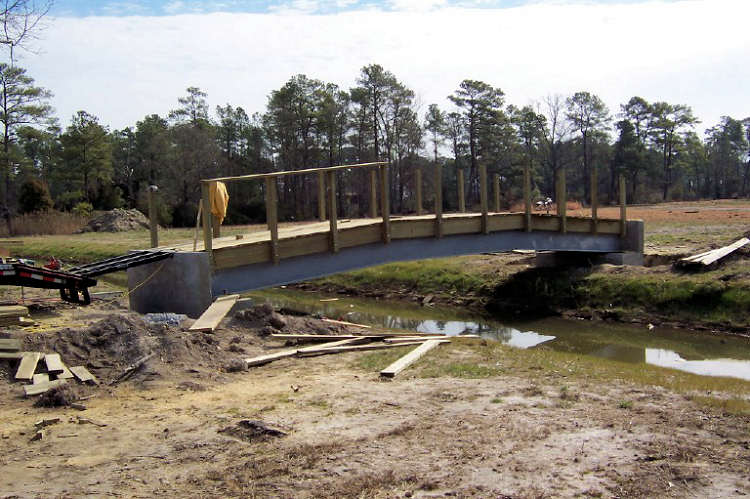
[{"x": 21, "y": 22}]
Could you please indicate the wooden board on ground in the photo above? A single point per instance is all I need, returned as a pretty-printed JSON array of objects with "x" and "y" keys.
[
  {"x": 333, "y": 344},
  {"x": 408, "y": 339},
  {"x": 11, "y": 355},
  {"x": 27, "y": 367},
  {"x": 65, "y": 374},
  {"x": 13, "y": 311},
  {"x": 713, "y": 256},
  {"x": 215, "y": 313},
  {"x": 30, "y": 390},
  {"x": 357, "y": 348},
  {"x": 40, "y": 378},
  {"x": 344, "y": 323},
  {"x": 319, "y": 337},
  {"x": 54, "y": 363},
  {"x": 409, "y": 358},
  {"x": 10, "y": 344},
  {"x": 265, "y": 359},
  {"x": 83, "y": 375}
]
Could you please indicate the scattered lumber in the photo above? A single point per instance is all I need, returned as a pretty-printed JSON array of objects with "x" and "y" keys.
[
  {"x": 65, "y": 374},
  {"x": 54, "y": 363},
  {"x": 132, "y": 368},
  {"x": 27, "y": 367},
  {"x": 31, "y": 390},
  {"x": 10, "y": 344},
  {"x": 318, "y": 337},
  {"x": 409, "y": 358},
  {"x": 356, "y": 348},
  {"x": 13, "y": 311},
  {"x": 213, "y": 315},
  {"x": 40, "y": 378},
  {"x": 265, "y": 359},
  {"x": 11, "y": 355},
  {"x": 83, "y": 375},
  {"x": 408, "y": 339},
  {"x": 710, "y": 257},
  {"x": 344, "y": 323},
  {"x": 333, "y": 344}
]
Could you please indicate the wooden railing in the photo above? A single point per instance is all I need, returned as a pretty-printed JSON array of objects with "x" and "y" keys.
[{"x": 379, "y": 175}]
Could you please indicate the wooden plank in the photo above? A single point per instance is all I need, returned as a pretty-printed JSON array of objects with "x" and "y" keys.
[
  {"x": 237, "y": 256},
  {"x": 562, "y": 201},
  {"x": 304, "y": 245},
  {"x": 206, "y": 201},
  {"x": 318, "y": 337},
  {"x": 358, "y": 348},
  {"x": 713, "y": 256},
  {"x": 623, "y": 208},
  {"x": 332, "y": 344},
  {"x": 11, "y": 355},
  {"x": 527, "y": 197},
  {"x": 321, "y": 196},
  {"x": 272, "y": 218},
  {"x": 10, "y": 344},
  {"x": 333, "y": 215},
  {"x": 594, "y": 199},
  {"x": 418, "y": 189},
  {"x": 297, "y": 172},
  {"x": 31, "y": 390},
  {"x": 83, "y": 375},
  {"x": 27, "y": 367},
  {"x": 461, "y": 187},
  {"x": 385, "y": 203},
  {"x": 483, "y": 197},
  {"x": 408, "y": 339},
  {"x": 463, "y": 225},
  {"x": 438, "y": 200},
  {"x": 13, "y": 311},
  {"x": 40, "y": 378},
  {"x": 265, "y": 359},
  {"x": 344, "y": 323},
  {"x": 54, "y": 363},
  {"x": 373, "y": 194},
  {"x": 65, "y": 374},
  {"x": 358, "y": 236},
  {"x": 215, "y": 313},
  {"x": 506, "y": 221},
  {"x": 496, "y": 189},
  {"x": 409, "y": 358},
  {"x": 152, "y": 216},
  {"x": 411, "y": 229}
]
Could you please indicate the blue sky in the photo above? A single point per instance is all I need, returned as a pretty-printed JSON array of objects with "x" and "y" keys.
[{"x": 82, "y": 8}]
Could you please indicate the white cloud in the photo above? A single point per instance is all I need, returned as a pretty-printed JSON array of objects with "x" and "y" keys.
[
  {"x": 416, "y": 5},
  {"x": 121, "y": 69}
]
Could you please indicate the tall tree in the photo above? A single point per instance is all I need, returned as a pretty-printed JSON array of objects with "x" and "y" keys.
[
  {"x": 87, "y": 154},
  {"x": 193, "y": 107},
  {"x": 589, "y": 115},
  {"x": 435, "y": 125},
  {"x": 669, "y": 122},
  {"x": 374, "y": 85},
  {"x": 557, "y": 132}
]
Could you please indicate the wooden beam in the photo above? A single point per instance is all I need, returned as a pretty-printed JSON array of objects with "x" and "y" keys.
[
  {"x": 438, "y": 200},
  {"x": 40, "y": 378},
  {"x": 623, "y": 207},
  {"x": 206, "y": 201},
  {"x": 319, "y": 337},
  {"x": 27, "y": 367},
  {"x": 296, "y": 172},
  {"x": 83, "y": 375},
  {"x": 31, "y": 390},
  {"x": 461, "y": 187},
  {"x": 562, "y": 200},
  {"x": 418, "y": 189},
  {"x": 332, "y": 344},
  {"x": 321, "y": 196},
  {"x": 216, "y": 227},
  {"x": 409, "y": 358},
  {"x": 483, "y": 197},
  {"x": 213, "y": 315},
  {"x": 10, "y": 344},
  {"x": 594, "y": 200},
  {"x": 153, "y": 216},
  {"x": 333, "y": 215},
  {"x": 373, "y": 193},
  {"x": 385, "y": 203},
  {"x": 54, "y": 363},
  {"x": 272, "y": 218},
  {"x": 496, "y": 185},
  {"x": 357, "y": 348},
  {"x": 265, "y": 359},
  {"x": 527, "y": 197}
]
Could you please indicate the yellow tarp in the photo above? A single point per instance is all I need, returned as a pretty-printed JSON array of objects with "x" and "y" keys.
[{"x": 219, "y": 201}]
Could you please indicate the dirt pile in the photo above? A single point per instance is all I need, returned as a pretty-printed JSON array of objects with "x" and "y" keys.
[{"x": 117, "y": 220}]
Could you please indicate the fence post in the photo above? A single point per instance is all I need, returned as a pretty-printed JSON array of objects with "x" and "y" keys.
[
  {"x": 527, "y": 197},
  {"x": 623, "y": 207},
  {"x": 438, "y": 200},
  {"x": 272, "y": 217},
  {"x": 321, "y": 196},
  {"x": 594, "y": 200},
  {"x": 373, "y": 193},
  {"x": 385, "y": 205},
  {"x": 333, "y": 215},
  {"x": 418, "y": 181},
  {"x": 496, "y": 184},
  {"x": 153, "y": 216},
  {"x": 562, "y": 200},
  {"x": 483, "y": 201},
  {"x": 207, "y": 232},
  {"x": 461, "y": 191}
]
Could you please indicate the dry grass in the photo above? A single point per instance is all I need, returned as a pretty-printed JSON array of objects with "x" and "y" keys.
[{"x": 47, "y": 223}]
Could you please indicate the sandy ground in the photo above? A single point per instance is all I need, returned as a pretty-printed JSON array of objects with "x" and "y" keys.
[{"x": 173, "y": 431}]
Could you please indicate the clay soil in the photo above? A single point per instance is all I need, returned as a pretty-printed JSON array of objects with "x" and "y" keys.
[{"x": 175, "y": 429}]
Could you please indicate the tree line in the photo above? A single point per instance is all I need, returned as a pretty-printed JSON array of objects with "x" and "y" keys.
[{"x": 309, "y": 123}]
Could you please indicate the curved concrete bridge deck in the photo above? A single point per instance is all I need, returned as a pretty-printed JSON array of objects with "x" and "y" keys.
[{"x": 190, "y": 281}]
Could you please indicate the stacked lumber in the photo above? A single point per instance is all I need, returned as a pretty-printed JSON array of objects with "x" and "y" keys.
[
  {"x": 43, "y": 371},
  {"x": 370, "y": 340},
  {"x": 14, "y": 315},
  {"x": 710, "y": 257}
]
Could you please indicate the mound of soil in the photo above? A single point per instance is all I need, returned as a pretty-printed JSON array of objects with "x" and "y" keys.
[{"x": 117, "y": 220}]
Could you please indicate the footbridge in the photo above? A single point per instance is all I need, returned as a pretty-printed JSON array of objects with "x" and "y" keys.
[{"x": 202, "y": 270}]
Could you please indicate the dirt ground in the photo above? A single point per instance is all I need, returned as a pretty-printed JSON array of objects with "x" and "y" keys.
[{"x": 175, "y": 429}]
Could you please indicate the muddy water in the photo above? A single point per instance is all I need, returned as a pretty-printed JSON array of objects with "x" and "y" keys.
[{"x": 689, "y": 351}]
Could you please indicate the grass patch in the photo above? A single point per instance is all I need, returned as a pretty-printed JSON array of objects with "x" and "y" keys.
[
  {"x": 625, "y": 404},
  {"x": 733, "y": 405}
]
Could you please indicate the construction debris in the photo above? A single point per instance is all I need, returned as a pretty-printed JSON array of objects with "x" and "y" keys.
[
  {"x": 27, "y": 367},
  {"x": 710, "y": 257},
  {"x": 410, "y": 358},
  {"x": 249, "y": 430},
  {"x": 132, "y": 368},
  {"x": 83, "y": 375},
  {"x": 10, "y": 344},
  {"x": 214, "y": 314}
]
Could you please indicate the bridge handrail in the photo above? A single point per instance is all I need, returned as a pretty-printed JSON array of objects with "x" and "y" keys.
[{"x": 323, "y": 169}]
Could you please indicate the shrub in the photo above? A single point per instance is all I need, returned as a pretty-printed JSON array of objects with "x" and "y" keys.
[
  {"x": 83, "y": 209},
  {"x": 34, "y": 197}
]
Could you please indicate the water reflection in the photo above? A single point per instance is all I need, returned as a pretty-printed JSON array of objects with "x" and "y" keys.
[{"x": 699, "y": 354}]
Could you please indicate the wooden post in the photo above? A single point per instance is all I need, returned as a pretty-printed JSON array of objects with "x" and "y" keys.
[
  {"x": 562, "y": 201},
  {"x": 207, "y": 232},
  {"x": 333, "y": 215},
  {"x": 321, "y": 196},
  {"x": 623, "y": 208},
  {"x": 272, "y": 217},
  {"x": 153, "y": 215},
  {"x": 527, "y": 197},
  {"x": 216, "y": 226},
  {"x": 461, "y": 191},
  {"x": 385, "y": 204},
  {"x": 373, "y": 193},
  {"x": 496, "y": 185},
  {"x": 438, "y": 200},
  {"x": 594, "y": 200},
  {"x": 483, "y": 198},
  {"x": 418, "y": 189}
]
